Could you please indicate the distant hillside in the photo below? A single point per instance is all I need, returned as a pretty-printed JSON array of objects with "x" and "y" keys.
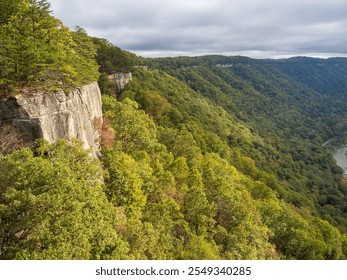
[
  {"x": 326, "y": 76},
  {"x": 291, "y": 119}
]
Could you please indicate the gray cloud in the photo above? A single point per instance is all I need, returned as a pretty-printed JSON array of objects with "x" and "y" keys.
[{"x": 258, "y": 28}]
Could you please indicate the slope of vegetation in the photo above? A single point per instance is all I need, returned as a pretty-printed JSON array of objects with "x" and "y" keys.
[
  {"x": 206, "y": 132},
  {"x": 328, "y": 78},
  {"x": 202, "y": 158},
  {"x": 290, "y": 120}
]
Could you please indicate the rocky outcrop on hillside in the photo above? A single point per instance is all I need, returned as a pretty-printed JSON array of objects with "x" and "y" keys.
[
  {"x": 120, "y": 80},
  {"x": 56, "y": 115}
]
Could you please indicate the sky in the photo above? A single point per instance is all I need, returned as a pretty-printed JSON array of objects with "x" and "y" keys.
[{"x": 254, "y": 28}]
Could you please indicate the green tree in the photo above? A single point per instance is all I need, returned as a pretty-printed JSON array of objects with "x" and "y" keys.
[
  {"x": 201, "y": 248},
  {"x": 112, "y": 59},
  {"x": 106, "y": 86},
  {"x": 199, "y": 212},
  {"x": 37, "y": 50},
  {"x": 52, "y": 206},
  {"x": 134, "y": 129},
  {"x": 86, "y": 65},
  {"x": 240, "y": 230},
  {"x": 24, "y": 40},
  {"x": 124, "y": 183},
  {"x": 185, "y": 145},
  {"x": 7, "y": 9}
]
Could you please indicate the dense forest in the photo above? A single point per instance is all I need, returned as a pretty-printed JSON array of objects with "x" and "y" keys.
[{"x": 207, "y": 157}]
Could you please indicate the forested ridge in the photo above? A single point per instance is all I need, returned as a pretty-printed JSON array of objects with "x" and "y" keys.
[{"x": 202, "y": 157}]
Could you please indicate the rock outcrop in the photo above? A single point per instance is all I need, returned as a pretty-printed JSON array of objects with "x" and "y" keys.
[
  {"x": 120, "y": 80},
  {"x": 56, "y": 115}
]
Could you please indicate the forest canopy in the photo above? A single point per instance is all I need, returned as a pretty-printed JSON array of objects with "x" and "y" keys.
[
  {"x": 38, "y": 51},
  {"x": 202, "y": 158}
]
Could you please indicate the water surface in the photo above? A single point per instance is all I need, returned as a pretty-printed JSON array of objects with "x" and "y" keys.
[{"x": 341, "y": 158}]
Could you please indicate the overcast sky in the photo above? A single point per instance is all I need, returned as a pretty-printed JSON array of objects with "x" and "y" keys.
[{"x": 255, "y": 28}]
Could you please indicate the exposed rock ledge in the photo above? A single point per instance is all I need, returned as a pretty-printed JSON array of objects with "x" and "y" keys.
[
  {"x": 120, "y": 80},
  {"x": 56, "y": 115}
]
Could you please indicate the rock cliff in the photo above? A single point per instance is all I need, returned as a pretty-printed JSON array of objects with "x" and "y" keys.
[
  {"x": 120, "y": 80},
  {"x": 56, "y": 115}
]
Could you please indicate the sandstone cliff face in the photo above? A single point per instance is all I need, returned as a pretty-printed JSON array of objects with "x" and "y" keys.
[
  {"x": 56, "y": 115},
  {"x": 120, "y": 80}
]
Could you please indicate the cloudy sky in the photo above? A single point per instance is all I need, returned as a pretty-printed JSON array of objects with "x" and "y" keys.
[{"x": 255, "y": 28}]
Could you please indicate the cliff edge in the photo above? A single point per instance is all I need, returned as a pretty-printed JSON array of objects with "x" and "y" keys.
[
  {"x": 56, "y": 115},
  {"x": 120, "y": 80}
]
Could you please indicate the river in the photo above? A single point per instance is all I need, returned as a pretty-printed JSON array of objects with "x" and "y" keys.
[{"x": 341, "y": 158}]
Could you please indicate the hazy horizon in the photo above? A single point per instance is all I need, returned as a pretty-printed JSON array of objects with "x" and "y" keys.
[{"x": 253, "y": 28}]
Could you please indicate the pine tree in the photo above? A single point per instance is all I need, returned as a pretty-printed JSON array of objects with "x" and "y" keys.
[
  {"x": 7, "y": 9},
  {"x": 37, "y": 50},
  {"x": 85, "y": 62}
]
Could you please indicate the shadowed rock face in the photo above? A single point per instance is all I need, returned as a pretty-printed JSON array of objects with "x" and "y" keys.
[
  {"x": 56, "y": 115},
  {"x": 120, "y": 80}
]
